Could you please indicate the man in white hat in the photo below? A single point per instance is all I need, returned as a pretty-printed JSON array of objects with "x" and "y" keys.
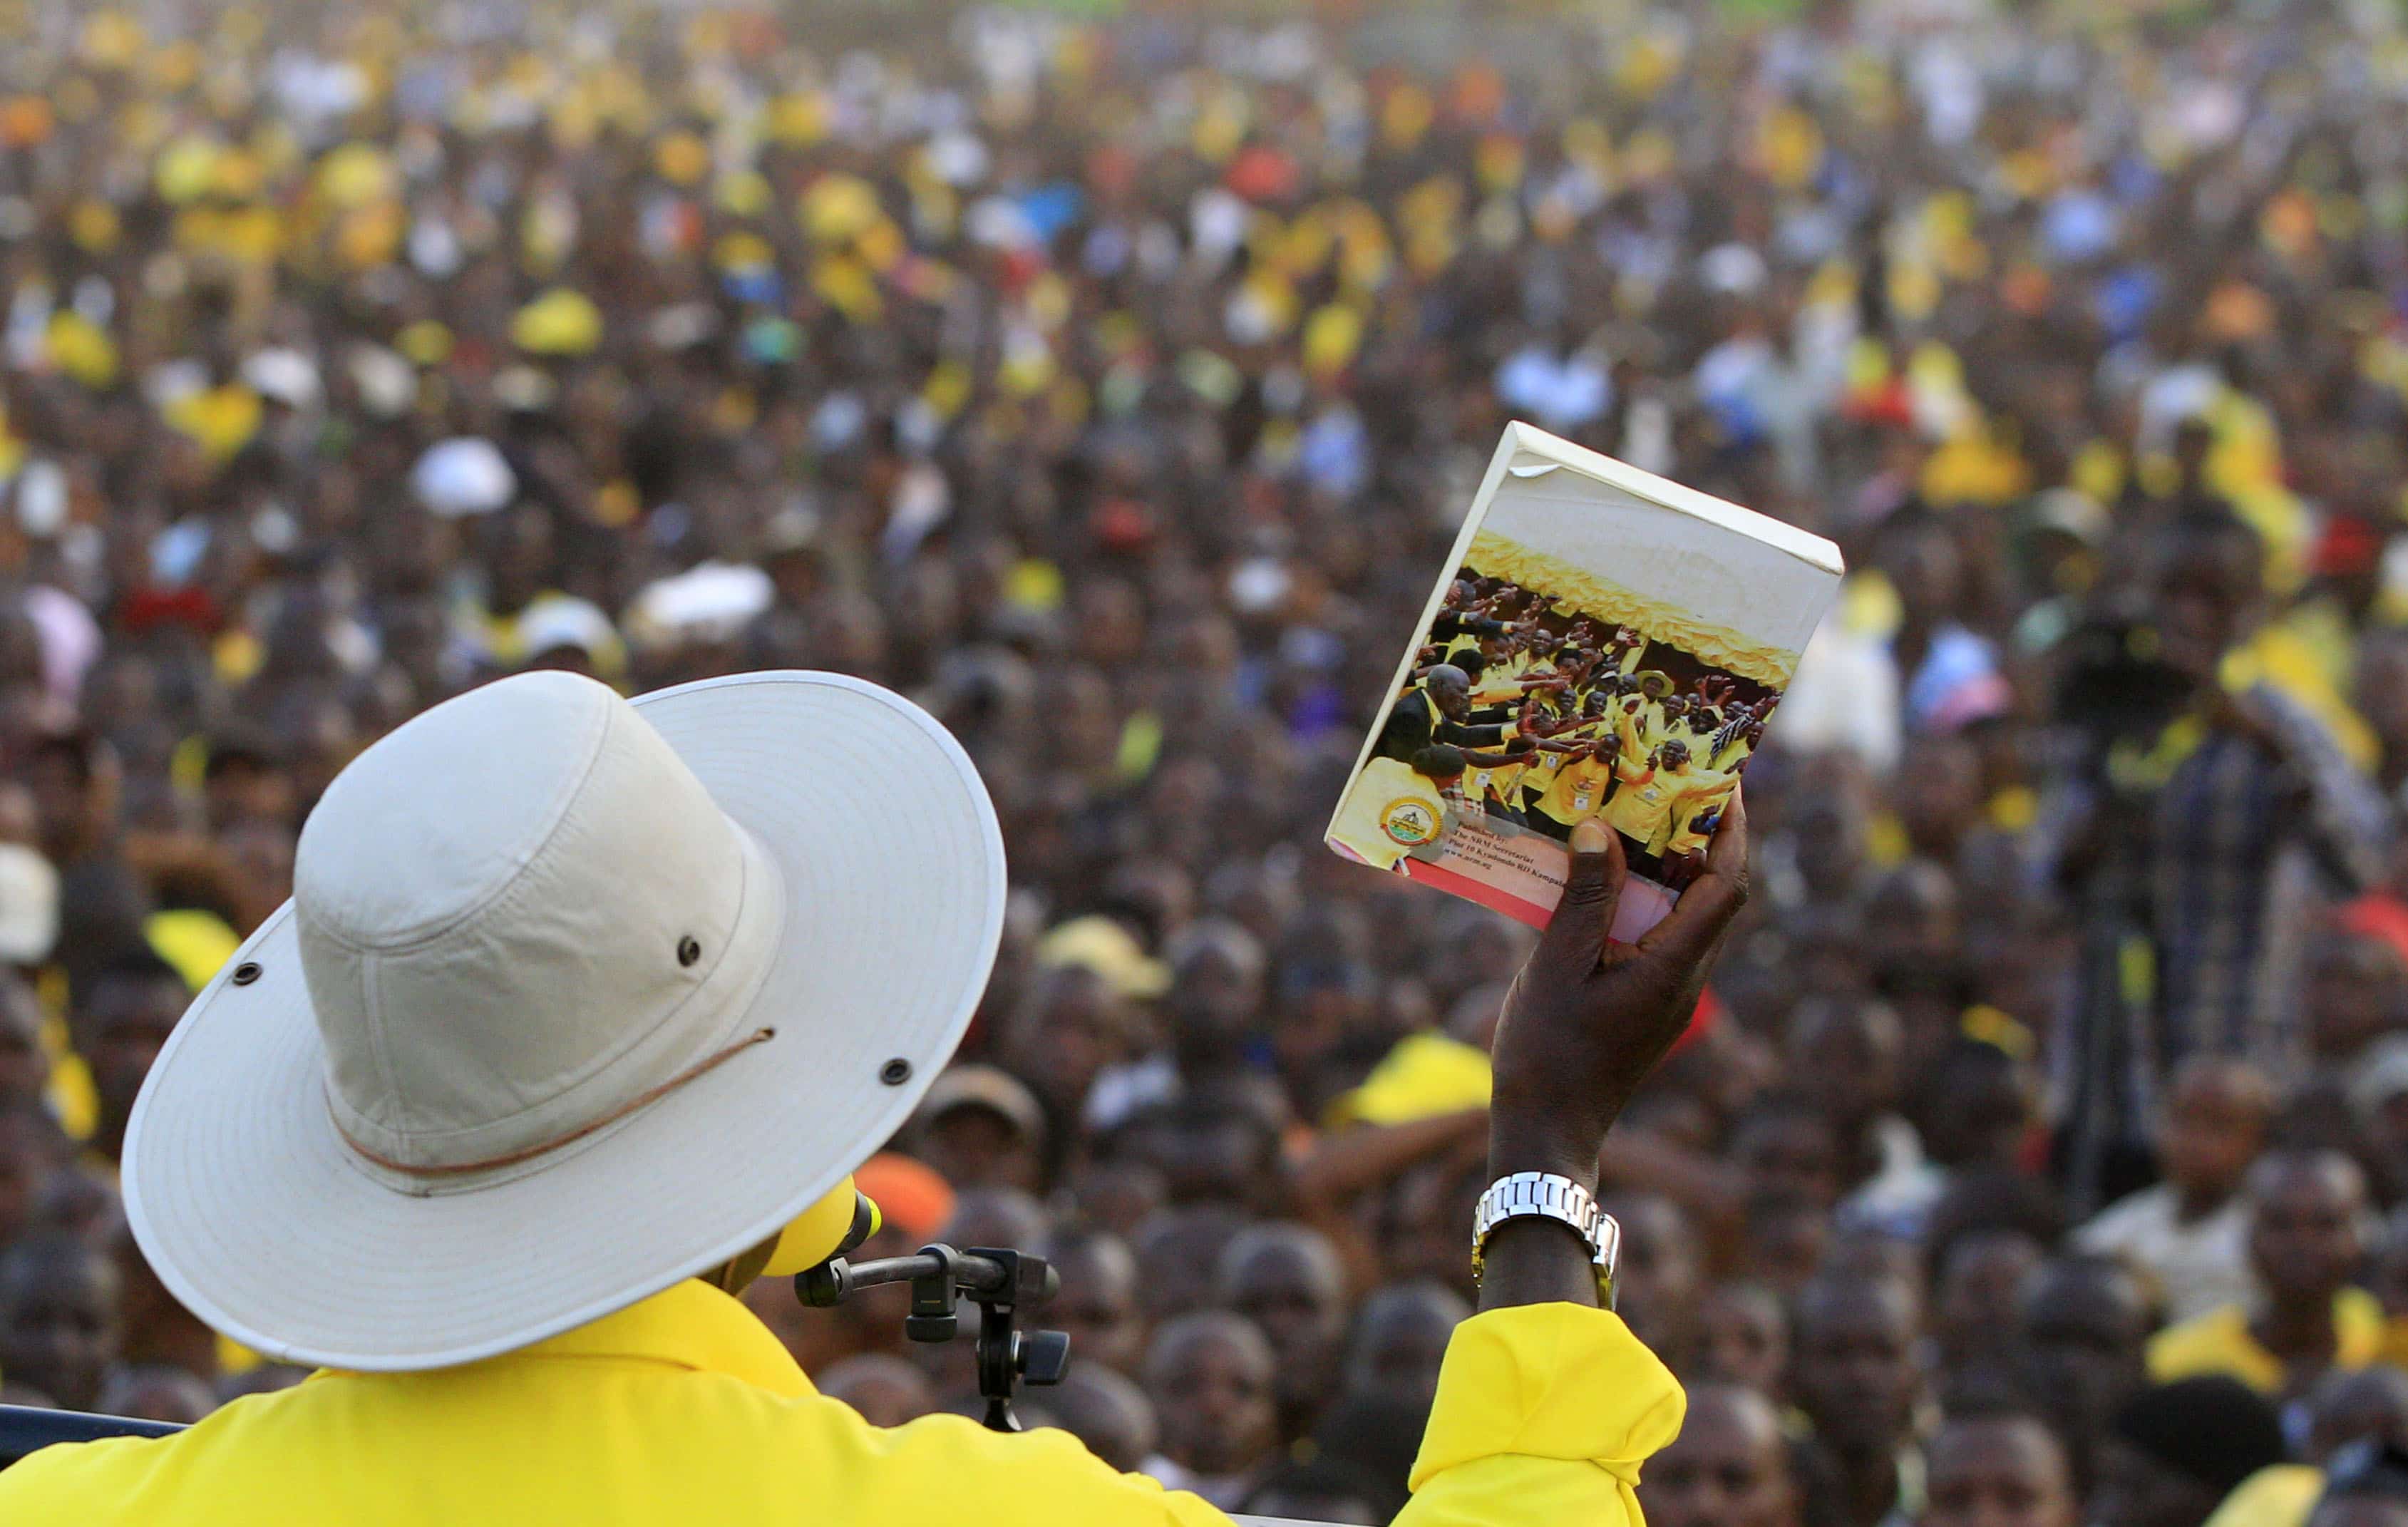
[{"x": 579, "y": 1016}]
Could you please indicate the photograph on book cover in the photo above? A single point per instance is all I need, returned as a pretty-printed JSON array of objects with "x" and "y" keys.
[{"x": 1592, "y": 655}]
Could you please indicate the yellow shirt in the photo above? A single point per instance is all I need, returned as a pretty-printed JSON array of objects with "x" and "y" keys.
[
  {"x": 1638, "y": 728},
  {"x": 683, "y": 1408},
  {"x": 196, "y": 943},
  {"x": 1518, "y": 663},
  {"x": 1578, "y": 790},
  {"x": 1651, "y": 801},
  {"x": 74, "y": 1100},
  {"x": 2281, "y": 657},
  {"x": 1728, "y": 754},
  {"x": 2219, "y": 1342},
  {"x": 1505, "y": 779},
  {"x": 2277, "y": 1495},
  {"x": 1642, "y": 806},
  {"x": 1538, "y": 774},
  {"x": 221, "y": 418},
  {"x": 1422, "y": 1076},
  {"x": 1695, "y": 791}
]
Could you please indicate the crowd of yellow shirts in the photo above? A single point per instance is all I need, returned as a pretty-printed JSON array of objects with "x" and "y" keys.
[{"x": 1655, "y": 802}]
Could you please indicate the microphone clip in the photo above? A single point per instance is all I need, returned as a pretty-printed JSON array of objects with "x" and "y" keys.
[{"x": 998, "y": 1280}]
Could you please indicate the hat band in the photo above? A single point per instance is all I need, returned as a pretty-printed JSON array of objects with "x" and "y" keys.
[{"x": 650, "y": 1095}]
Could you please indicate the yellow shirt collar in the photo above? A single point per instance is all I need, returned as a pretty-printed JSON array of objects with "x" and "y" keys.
[
  {"x": 686, "y": 1325},
  {"x": 2222, "y": 1342}
]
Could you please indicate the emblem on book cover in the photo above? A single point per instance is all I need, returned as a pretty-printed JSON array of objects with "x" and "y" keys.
[{"x": 1409, "y": 822}]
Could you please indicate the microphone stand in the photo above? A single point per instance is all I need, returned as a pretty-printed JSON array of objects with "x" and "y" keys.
[{"x": 999, "y": 1282}]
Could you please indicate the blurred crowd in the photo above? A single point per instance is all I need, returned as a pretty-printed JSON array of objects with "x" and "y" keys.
[{"x": 1114, "y": 384}]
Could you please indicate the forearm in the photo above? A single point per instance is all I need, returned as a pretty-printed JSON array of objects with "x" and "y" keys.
[
  {"x": 1478, "y": 759},
  {"x": 1456, "y": 734},
  {"x": 1713, "y": 1192},
  {"x": 1543, "y": 1392},
  {"x": 1351, "y": 1160}
]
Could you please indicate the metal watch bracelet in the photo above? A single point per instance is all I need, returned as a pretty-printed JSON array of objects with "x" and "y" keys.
[{"x": 1543, "y": 1195}]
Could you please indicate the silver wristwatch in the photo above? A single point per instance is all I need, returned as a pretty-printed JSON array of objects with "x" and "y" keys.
[{"x": 1546, "y": 1196}]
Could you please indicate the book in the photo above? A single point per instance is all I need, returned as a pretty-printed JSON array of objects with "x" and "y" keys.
[{"x": 1603, "y": 643}]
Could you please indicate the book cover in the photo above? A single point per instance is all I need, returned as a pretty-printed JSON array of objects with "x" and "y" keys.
[{"x": 1604, "y": 644}]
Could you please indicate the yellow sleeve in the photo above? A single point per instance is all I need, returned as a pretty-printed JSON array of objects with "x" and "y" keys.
[
  {"x": 2395, "y": 1340},
  {"x": 2277, "y": 1495},
  {"x": 2217, "y": 1342},
  {"x": 1633, "y": 745},
  {"x": 1688, "y": 807},
  {"x": 1544, "y": 1414},
  {"x": 196, "y": 944}
]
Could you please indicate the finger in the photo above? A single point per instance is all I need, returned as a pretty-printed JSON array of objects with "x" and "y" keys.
[
  {"x": 1726, "y": 850},
  {"x": 1692, "y": 982},
  {"x": 1574, "y": 939},
  {"x": 1687, "y": 935}
]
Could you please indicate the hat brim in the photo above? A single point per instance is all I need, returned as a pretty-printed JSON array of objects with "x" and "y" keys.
[{"x": 262, "y": 1221}]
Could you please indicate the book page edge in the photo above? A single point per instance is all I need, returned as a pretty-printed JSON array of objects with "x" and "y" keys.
[{"x": 1664, "y": 493}]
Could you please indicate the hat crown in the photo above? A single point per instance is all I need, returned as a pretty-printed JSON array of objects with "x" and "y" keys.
[{"x": 516, "y": 914}]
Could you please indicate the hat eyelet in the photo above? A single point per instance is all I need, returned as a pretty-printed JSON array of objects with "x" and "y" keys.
[
  {"x": 896, "y": 1071},
  {"x": 689, "y": 950},
  {"x": 246, "y": 972}
]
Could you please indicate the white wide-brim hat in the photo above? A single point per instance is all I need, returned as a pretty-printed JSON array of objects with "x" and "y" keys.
[{"x": 268, "y": 1218}]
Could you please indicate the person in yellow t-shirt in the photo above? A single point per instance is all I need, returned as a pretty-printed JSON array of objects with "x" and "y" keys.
[
  {"x": 2307, "y": 1210},
  {"x": 1539, "y": 775},
  {"x": 1496, "y": 787},
  {"x": 1656, "y": 799},
  {"x": 1648, "y": 713},
  {"x": 1597, "y": 714},
  {"x": 1584, "y": 782},
  {"x": 1635, "y": 722},
  {"x": 2277, "y": 1495},
  {"x": 1541, "y": 658},
  {"x": 1702, "y": 792},
  {"x": 1555, "y": 726},
  {"x": 1738, "y": 737},
  {"x": 1628, "y": 649},
  {"x": 1508, "y": 677}
]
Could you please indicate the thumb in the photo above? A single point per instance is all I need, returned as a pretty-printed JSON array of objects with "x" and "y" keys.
[{"x": 1574, "y": 939}]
